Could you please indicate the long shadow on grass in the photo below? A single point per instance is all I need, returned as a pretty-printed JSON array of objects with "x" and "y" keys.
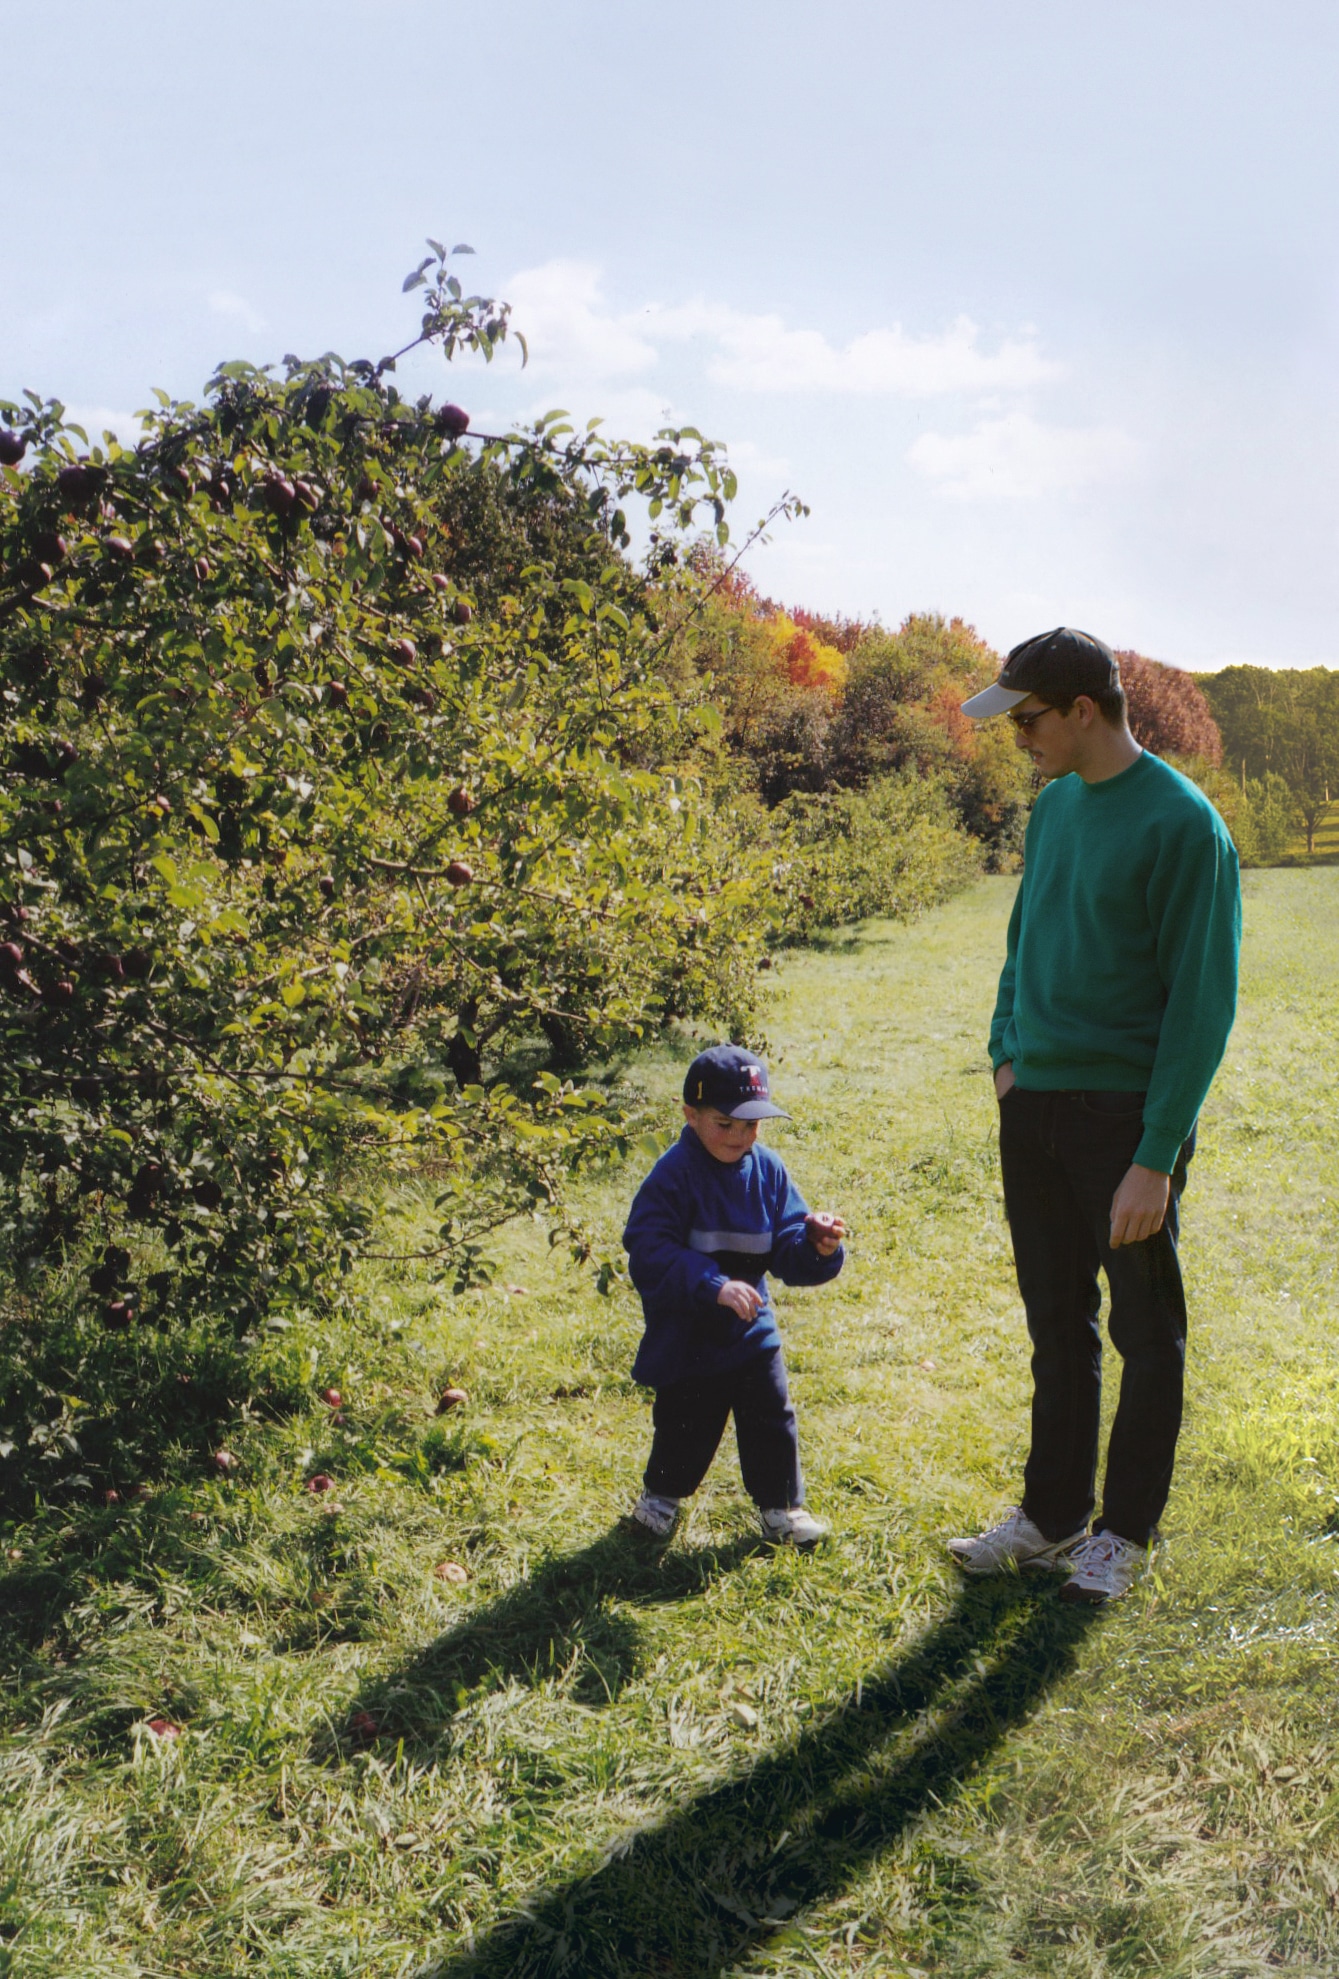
[
  {"x": 561, "y": 1618},
  {"x": 693, "y": 1895}
]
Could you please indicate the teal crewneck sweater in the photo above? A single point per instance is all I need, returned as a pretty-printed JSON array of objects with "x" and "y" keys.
[{"x": 1121, "y": 969}]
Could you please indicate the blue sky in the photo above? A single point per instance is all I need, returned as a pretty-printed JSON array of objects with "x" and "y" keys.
[{"x": 1037, "y": 305}]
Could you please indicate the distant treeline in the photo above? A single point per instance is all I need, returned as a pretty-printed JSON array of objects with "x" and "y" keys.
[{"x": 815, "y": 706}]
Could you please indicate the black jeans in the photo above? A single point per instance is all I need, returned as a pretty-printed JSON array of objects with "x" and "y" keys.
[
  {"x": 690, "y": 1419},
  {"x": 1063, "y": 1156}
]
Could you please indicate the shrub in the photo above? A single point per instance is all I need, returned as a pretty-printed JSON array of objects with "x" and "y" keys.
[
  {"x": 1261, "y": 813},
  {"x": 892, "y": 849}
]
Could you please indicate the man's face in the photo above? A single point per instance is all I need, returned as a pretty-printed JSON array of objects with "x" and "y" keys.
[
  {"x": 724, "y": 1138},
  {"x": 1053, "y": 740}
]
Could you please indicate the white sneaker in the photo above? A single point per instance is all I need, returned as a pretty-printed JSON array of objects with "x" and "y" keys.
[
  {"x": 792, "y": 1526},
  {"x": 658, "y": 1515},
  {"x": 1014, "y": 1542},
  {"x": 1105, "y": 1567}
]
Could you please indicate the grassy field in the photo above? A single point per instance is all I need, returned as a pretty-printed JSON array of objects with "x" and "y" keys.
[{"x": 572, "y": 1756}]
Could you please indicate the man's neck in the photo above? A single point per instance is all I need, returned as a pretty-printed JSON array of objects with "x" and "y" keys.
[{"x": 1110, "y": 750}]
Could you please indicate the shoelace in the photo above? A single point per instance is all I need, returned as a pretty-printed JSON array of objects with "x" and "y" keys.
[{"x": 1098, "y": 1551}]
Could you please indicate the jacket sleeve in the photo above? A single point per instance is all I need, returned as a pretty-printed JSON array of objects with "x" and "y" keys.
[
  {"x": 1004, "y": 1000},
  {"x": 1195, "y": 900},
  {"x": 662, "y": 1266},
  {"x": 793, "y": 1258}
]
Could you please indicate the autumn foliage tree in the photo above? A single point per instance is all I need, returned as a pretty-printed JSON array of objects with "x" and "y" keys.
[{"x": 1168, "y": 711}]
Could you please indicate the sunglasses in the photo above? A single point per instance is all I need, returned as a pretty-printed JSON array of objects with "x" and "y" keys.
[{"x": 1025, "y": 721}]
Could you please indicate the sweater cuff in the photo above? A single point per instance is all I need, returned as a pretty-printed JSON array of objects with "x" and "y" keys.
[{"x": 1158, "y": 1151}]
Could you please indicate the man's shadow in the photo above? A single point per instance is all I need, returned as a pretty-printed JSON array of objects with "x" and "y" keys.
[
  {"x": 565, "y": 1616},
  {"x": 693, "y": 1894}
]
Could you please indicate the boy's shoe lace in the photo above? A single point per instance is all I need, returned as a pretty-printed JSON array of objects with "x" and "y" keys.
[
  {"x": 792, "y": 1526},
  {"x": 1105, "y": 1567},
  {"x": 1014, "y": 1543},
  {"x": 658, "y": 1515}
]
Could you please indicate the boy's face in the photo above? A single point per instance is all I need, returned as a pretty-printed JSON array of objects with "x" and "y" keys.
[{"x": 724, "y": 1138}]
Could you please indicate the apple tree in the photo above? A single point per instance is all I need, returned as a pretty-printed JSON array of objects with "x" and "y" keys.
[{"x": 340, "y": 815}]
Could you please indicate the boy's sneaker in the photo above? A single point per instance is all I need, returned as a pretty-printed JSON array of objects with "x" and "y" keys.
[
  {"x": 658, "y": 1515},
  {"x": 1015, "y": 1542},
  {"x": 792, "y": 1526},
  {"x": 1105, "y": 1567}
]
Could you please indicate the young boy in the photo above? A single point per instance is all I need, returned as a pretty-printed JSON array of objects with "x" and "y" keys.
[{"x": 716, "y": 1213}]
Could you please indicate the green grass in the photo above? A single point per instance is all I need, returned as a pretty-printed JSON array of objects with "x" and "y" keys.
[{"x": 556, "y": 1778}]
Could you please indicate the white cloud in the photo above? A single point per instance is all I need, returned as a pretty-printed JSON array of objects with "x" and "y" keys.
[
  {"x": 1017, "y": 458},
  {"x": 569, "y": 327},
  {"x": 224, "y": 302},
  {"x": 572, "y": 330},
  {"x": 759, "y": 354}
]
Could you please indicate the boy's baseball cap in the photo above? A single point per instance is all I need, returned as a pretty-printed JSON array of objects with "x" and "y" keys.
[
  {"x": 732, "y": 1080},
  {"x": 1055, "y": 665}
]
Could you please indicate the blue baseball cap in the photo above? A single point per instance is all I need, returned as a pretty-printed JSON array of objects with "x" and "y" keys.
[{"x": 732, "y": 1080}]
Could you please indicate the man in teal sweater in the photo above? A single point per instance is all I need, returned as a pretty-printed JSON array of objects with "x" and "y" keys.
[{"x": 1114, "y": 1008}]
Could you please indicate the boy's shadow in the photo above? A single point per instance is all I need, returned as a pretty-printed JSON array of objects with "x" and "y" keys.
[
  {"x": 697, "y": 1892},
  {"x": 562, "y": 1617}
]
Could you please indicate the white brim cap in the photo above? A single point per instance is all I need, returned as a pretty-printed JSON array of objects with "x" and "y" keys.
[{"x": 994, "y": 700}]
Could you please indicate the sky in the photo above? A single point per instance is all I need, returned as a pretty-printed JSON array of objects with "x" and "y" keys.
[{"x": 1035, "y": 305}]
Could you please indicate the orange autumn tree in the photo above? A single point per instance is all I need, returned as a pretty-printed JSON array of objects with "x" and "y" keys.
[{"x": 809, "y": 662}]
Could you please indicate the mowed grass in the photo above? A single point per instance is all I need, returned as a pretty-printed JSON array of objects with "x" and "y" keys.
[{"x": 587, "y": 1758}]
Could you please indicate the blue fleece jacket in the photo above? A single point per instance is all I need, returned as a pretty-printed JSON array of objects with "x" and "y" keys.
[{"x": 696, "y": 1222}]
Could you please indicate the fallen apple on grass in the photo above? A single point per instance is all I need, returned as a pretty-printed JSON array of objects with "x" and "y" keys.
[
  {"x": 451, "y": 1570},
  {"x": 225, "y": 1462},
  {"x": 164, "y": 1728},
  {"x": 322, "y": 1482},
  {"x": 451, "y": 1398},
  {"x": 332, "y": 1398},
  {"x": 364, "y": 1728}
]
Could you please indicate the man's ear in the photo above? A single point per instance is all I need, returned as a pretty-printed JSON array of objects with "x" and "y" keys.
[{"x": 1086, "y": 710}]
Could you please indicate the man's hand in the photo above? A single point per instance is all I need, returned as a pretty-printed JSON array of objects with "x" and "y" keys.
[
  {"x": 1139, "y": 1205},
  {"x": 741, "y": 1297},
  {"x": 1004, "y": 1079}
]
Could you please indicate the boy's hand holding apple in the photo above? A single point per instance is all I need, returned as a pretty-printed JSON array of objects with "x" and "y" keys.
[{"x": 825, "y": 1231}]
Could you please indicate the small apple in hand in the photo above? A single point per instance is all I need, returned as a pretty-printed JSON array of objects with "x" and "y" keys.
[{"x": 824, "y": 1231}]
